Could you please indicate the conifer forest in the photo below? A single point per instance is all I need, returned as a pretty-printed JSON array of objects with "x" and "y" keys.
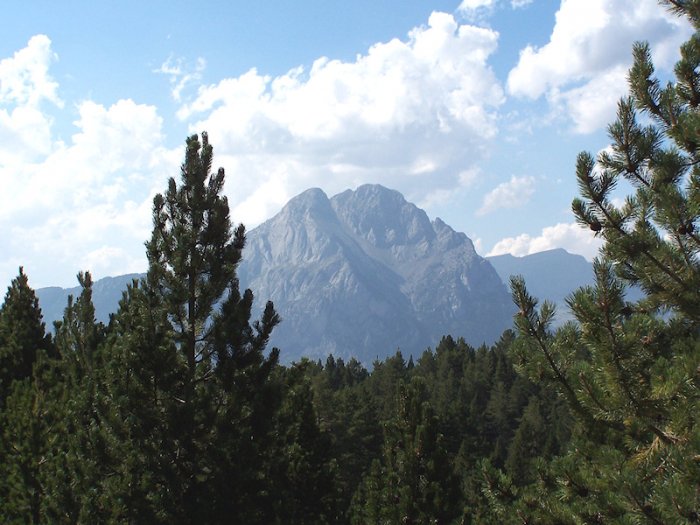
[{"x": 178, "y": 412}]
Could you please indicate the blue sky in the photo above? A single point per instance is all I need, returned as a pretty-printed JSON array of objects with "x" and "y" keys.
[{"x": 475, "y": 111}]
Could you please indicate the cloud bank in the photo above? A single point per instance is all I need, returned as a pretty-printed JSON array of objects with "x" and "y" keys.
[
  {"x": 415, "y": 114},
  {"x": 87, "y": 199},
  {"x": 582, "y": 70},
  {"x": 411, "y": 114},
  {"x": 512, "y": 194},
  {"x": 419, "y": 114}
]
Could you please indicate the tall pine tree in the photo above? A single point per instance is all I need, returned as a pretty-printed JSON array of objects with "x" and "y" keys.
[
  {"x": 22, "y": 334},
  {"x": 26, "y": 353},
  {"x": 75, "y": 463},
  {"x": 225, "y": 396},
  {"x": 630, "y": 371}
]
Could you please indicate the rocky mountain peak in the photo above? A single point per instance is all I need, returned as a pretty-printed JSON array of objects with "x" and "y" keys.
[
  {"x": 447, "y": 238},
  {"x": 312, "y": 203},
  {"x": 382, "y": 216},
  {"x": 366, "y": 272}
]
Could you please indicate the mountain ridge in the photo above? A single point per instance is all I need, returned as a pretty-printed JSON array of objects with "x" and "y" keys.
[{"x": 360, "y": 274}]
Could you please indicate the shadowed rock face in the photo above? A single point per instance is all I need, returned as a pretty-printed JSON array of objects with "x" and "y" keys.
[
  {"x": 367, "y": 272},
  {"x": 361, "y": 274}
]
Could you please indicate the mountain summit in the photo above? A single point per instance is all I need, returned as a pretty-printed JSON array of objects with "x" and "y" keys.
[{"x": 366, "y": 272}]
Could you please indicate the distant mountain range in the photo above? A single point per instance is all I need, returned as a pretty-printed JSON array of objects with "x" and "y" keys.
[
  {"x": 551, "y": 275},
  {"x": 365, "y": 273},
  {"x": 106, "y": 294}
]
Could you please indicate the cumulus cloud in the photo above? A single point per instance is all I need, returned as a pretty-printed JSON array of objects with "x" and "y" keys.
[
  {"x": 88, "y": 203},
  {"x": 512, "y": 194},
  {"x": 582, "y": 69},
  {"x": 88, "y": 195},
  {"x": 25, "y": 77},
  {"x": 25, "y": 86},
  {"x": 416, "y": 114},
  {"x": 570, "y": 236},
  {"x": 412, "y": 114}
]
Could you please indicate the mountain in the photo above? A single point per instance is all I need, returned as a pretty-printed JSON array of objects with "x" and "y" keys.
[
  {"x": 361, "y": 274},
  {"x": 552, "y": 274},
  {"x": 106, "y": 294},
  {"x": 366, "y": 272}
]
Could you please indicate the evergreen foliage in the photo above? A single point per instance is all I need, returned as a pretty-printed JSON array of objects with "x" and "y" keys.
[
  {"x": 176, "y": 413},
  {"x": 75, "y": 463},
  {"x": 22, "y": 334},
  {"x": 26, "y": 352},
  {"x": 208, "y": 413},
  {"x": 629, "y": 371},
  {"x": 303, "y": 468},
  {"x": 414, "y": 482},
  {"x": 97, "y": 434}
]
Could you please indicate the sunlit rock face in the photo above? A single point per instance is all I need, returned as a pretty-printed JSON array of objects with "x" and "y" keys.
[{"x": 366, "y": 273}]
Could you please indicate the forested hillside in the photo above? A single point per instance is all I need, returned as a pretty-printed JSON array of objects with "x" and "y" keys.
[
  {"x": 176, "y": 411},
  {"x": 97, "y": 432}
]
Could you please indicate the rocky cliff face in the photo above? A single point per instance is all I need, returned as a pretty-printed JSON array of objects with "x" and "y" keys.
[{"x": 367, "y": 272}]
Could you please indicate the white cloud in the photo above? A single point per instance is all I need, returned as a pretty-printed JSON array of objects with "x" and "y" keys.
[
  {"x": 103, "y": 261},
  {"x": 412, "y": 114},
  {"x": 468, "y": 5},
  {"x": 570, "y": 236},
  {"x": 115, "y": 147},
  {"x": 415, "y": 114},
  {"x": 181, "y": 77},
  {"x": 83, "y": 201},
  {"x": 474, "y": 8},
  {"x": 583, "y": 66},
  {"x": 594, "y": 104},
  {"x": 25, "y": 84},
  {"x": 25, "y": 77},
  {"x": 512, "y": 194}
]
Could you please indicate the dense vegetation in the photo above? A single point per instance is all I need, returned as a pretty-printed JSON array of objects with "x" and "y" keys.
[
  {"x": 98, "y": 432},
  {"x": 176, "y": 412}
]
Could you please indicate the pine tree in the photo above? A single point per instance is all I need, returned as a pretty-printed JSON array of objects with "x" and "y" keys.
[
  {"x": 629, "y": 371},
  {"x": 302, "y": 469},
  {"x": 27, "y": 425},
  {"x": 26, "y": 353},
  {"x": 528, "y": 443},
  {"x": 357, "y": 439},
  {"x": 414, "y": 483},
  {"x": 167, "y": 416},
  {"x": 22, "y": 334},
  {"x": 75, "y": 464},
  {"x": 140, "y": 380},
  {"x": 225, "y": 397}
]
